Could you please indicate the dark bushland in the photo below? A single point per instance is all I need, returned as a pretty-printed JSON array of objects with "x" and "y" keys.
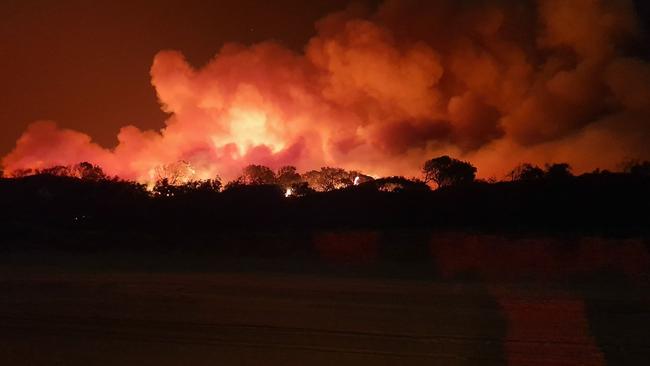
[{"x": 596, "y": 203}]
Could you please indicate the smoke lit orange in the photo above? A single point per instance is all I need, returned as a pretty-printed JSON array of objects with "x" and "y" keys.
[{"x": 383, "y": 92}]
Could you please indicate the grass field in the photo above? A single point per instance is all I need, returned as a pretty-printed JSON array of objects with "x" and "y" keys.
[{"x": 475, "y": 301}]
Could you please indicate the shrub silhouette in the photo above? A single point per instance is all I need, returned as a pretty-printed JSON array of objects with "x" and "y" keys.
[
  {"x": 526, "y": 172},
  {"x": 640, "y": 169},
  {"x": 558, "y": 172}
]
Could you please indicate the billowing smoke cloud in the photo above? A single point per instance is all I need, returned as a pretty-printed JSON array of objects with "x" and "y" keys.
[{"x": 495, "y": 82}]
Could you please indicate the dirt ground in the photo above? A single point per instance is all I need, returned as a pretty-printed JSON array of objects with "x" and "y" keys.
[{"x": 523, "y": 308}]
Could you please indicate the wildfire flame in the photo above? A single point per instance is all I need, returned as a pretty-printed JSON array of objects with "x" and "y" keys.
[{"x": 382, "y": 93}]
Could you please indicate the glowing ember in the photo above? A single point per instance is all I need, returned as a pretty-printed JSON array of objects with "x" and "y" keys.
[
  {"x": 288, "y": 192},
  {"x": 356, "y": 180}
]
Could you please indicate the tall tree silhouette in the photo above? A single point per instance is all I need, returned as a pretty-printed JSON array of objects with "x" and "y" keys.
[
  {"x": 446, "y": 171},
  {"x": 287, "y": 176},
  {"x": 258, "y": 175},
  {"x": 88, "y": 171},
  {"x": 526, "y": 172},
  {"x": 328, "y": 179}
]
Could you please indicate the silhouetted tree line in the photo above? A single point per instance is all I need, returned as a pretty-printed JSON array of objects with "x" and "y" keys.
[
  {"x": 324, "y": 180},
  {"x": 82, "y": 197},
  {"x": 84, "y": 170}
]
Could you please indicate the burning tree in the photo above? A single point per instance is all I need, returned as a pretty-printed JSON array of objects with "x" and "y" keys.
[
  {"x": 57, "y": 170},
  {"x": 289, "y": 179},
  {"x": 84, "y": 170},
  {"x": 20, "y": 173},
  {"x": 446, "y": 171},
  {"x": 88, "y": 171},
  {"x": 359, "y": 178},
  {"x": 162, "y": 188},
  {"x": 400, "y": 184},
  {"x": 328, "y": 179},
  {"x": 175, "y": 174},
  {"x": 287, "y": 176}
]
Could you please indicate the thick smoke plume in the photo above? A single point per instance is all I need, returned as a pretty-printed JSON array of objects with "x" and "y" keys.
[{"x": 494, "y": 82}]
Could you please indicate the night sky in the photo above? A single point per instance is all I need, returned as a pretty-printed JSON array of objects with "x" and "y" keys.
[
  {"x": 380, "y": 88},
  {"x": 86, "y": 64}
]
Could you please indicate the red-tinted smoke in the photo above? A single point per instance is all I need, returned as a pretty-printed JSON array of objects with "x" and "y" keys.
[{"x": 495, "y": 83}]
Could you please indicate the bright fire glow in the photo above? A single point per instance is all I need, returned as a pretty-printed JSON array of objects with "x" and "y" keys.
[
  {"x": 365, "y": 97},
  {"x": 249, "y": 128}
]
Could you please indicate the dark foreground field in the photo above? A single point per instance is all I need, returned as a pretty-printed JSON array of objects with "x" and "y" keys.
[{"x": 348, "y": 298}]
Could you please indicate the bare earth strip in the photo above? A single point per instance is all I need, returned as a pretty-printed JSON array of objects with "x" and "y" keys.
[{"x": 263, "y": 319}]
